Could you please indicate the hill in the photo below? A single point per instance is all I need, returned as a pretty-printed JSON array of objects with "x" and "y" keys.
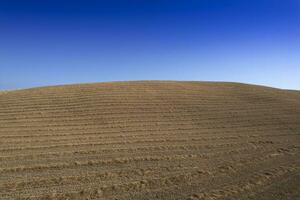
[{"x": 150, "y": 140}]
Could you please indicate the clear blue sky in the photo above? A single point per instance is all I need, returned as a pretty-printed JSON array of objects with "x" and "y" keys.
[{"x": 61, "y": 42}]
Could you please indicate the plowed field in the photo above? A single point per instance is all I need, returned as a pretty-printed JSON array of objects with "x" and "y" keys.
[{"x": 150, "y": 140}]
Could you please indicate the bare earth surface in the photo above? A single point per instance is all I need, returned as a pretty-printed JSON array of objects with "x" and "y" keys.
[{"x": 150, "y": 140}]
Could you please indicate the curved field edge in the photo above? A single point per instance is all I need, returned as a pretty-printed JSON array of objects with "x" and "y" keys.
[{"x": 150, "y": 140}]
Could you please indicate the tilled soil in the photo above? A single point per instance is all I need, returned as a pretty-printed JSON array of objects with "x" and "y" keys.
[{"x": 150, "y": 140}]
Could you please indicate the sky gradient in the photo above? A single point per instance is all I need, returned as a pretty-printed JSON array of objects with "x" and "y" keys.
[{"x": 62, "y": 42}]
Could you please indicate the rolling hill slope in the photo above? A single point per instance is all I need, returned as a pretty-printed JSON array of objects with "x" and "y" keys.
[{"x": 150, "y": 140}]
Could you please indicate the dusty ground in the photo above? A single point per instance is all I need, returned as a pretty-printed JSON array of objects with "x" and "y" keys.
[{"x": 150, "y": 140}]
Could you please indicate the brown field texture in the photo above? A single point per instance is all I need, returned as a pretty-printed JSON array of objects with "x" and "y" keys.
[{"x": 150, "y": 140}]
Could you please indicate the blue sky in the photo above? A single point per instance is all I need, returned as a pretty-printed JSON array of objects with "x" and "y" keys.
[{"x": 62, "y": 42}]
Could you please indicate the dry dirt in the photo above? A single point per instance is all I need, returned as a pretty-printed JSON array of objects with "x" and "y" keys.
[{"x": 150, "y": 140}]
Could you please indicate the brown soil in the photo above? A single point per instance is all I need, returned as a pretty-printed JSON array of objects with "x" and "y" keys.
[{"x": 150, "y": 140}]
